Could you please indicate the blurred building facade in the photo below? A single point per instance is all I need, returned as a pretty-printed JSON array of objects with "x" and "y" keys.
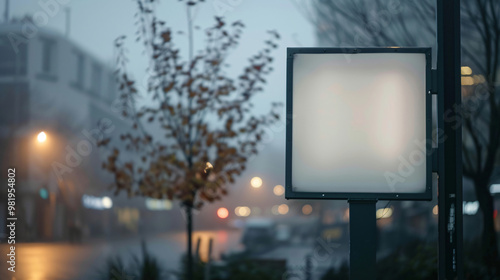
[{"x": 49, "y": 84}]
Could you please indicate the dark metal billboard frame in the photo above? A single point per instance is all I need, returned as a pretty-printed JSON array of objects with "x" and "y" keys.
[{"x": 291, "y": 194}]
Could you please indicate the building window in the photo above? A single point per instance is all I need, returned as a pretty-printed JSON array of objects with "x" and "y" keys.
[
  {"x": 78, "y": 80},
  {"x": 96, "y": 79},
  {"x": 48, "y": 62},
  {"x": 13, "y": 56},
  {"x": 14, "y": 105},
  {"x": 111, "y": 93}
]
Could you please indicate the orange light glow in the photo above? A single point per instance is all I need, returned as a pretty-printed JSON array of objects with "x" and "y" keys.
[
  {"x": 283, "y": 209},
  {"x": 278, "y": 190},
  {"x": 41, "y": 137},
  {"x": 256, "y": 182},
  {"x": 307, "y": 209},
  {"x": 435, "y": 210},
  {"x": 222, "y": 213}
]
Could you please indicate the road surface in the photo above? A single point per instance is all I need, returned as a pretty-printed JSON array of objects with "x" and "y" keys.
[{"x": 64, "y": 261}]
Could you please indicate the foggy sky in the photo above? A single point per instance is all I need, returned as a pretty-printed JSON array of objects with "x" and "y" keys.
[{"x": 95, "y": 24}]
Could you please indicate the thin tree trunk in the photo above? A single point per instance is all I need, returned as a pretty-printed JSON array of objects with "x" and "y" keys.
[
  {"x": 189, "y": 254},
  {"x": 489, "y": 238}
]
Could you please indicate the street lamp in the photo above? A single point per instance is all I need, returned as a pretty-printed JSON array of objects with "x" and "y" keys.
[
  {"x": 41, "y": 137},
  {"x": 283, "y": 209},
  {"x": 222, "y": 213},
  {"x": 278, "y": 190},
  {"x": 256, "y": 182}
]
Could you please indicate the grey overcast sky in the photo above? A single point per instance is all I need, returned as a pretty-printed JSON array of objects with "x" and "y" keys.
[{"x": 95, "y": 24}]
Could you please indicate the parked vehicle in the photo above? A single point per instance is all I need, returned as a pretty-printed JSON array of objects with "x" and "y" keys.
[{"x": 259, "y": 235}]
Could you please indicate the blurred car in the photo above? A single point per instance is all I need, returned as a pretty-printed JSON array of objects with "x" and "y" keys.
[{"x": 259, "y": 235}]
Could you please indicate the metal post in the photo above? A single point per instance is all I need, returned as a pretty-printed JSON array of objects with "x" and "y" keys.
[
  {"x": 450, "y": 152},
  {"x": 68, "y": 21},
  {"x": 189, "y": 254},
  {"x": 6, "y": 12},
  {"x": 209, "y": 260},
  {"x": 363, "y": 239}
]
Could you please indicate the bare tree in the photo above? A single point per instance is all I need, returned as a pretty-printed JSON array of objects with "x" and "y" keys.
[
  {"x": 481, "y": 119},
  {"x": 193, "y": 130}
]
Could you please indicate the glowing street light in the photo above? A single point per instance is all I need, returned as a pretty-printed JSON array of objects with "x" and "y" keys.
[
  {"x": 208, "y": 167},
  {"x": 222, "y": 213},
  {"x": 435, "y": 210},
  {"x": 41, "y": 137},
  {"x": 107, "y": 202},
  {"x": 307, "y": 209},
  {"x": 465, "y": 70},
  {"x": 384, "y": 213},
  {"x": 283, "y": 209},
  {"x": 256, "y": 182},
  {"x": 279, "y": 190},
  {"x": 242, "y": 211}
]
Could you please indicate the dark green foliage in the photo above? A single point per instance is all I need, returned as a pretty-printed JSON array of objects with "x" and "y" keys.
[
  {"x": 416, "y": 260},
  {"x": 144, "y": 267},
  {"x": 250, "y": 270},
  {"x": 336, "y": 274},
  {"x": 148, "y": 267},
  {"x": 115, "y": 270},
  {"x": 235, "y": 267},
  {"x": 198, "y": 269},
  {"x": 474, "y": 268}
]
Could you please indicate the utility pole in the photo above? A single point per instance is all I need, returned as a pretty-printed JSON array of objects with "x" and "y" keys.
[
  {"x": 6, "y": 12},
  {"x": 68, "y": 21},
  {"x": 450, "y": 153}
]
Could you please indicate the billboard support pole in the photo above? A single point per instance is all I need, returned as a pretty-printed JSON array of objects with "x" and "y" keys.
[
  {"x": 363, "y": 239},
  {"x": 450, "y": 153}
]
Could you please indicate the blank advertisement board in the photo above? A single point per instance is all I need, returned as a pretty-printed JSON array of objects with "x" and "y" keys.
[{"x": 359, "y": 123}]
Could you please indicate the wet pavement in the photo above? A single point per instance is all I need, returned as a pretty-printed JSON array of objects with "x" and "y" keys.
[{"x": 64, "y": 261}]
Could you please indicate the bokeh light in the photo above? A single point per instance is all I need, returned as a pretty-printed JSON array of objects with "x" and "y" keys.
[
  {"x": 384, "y": 213},
  {"x": 242, "y": 211},
  {"x": 307, "y": 209},
  {"x": 222, "y": 213},
  {"x": 208, "y": 167},
  {"x": 256, "y": 182},
  {"x": 41, "y": 137},
  {"x": 279, "y": 190},
  {"x": 435, "y": 210},
  {"x": 44, "y": 193},
  {"x": 283, "y": 209},
  {"x": 465, "y": 70},
  {"x": 107, "y": 202}
]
